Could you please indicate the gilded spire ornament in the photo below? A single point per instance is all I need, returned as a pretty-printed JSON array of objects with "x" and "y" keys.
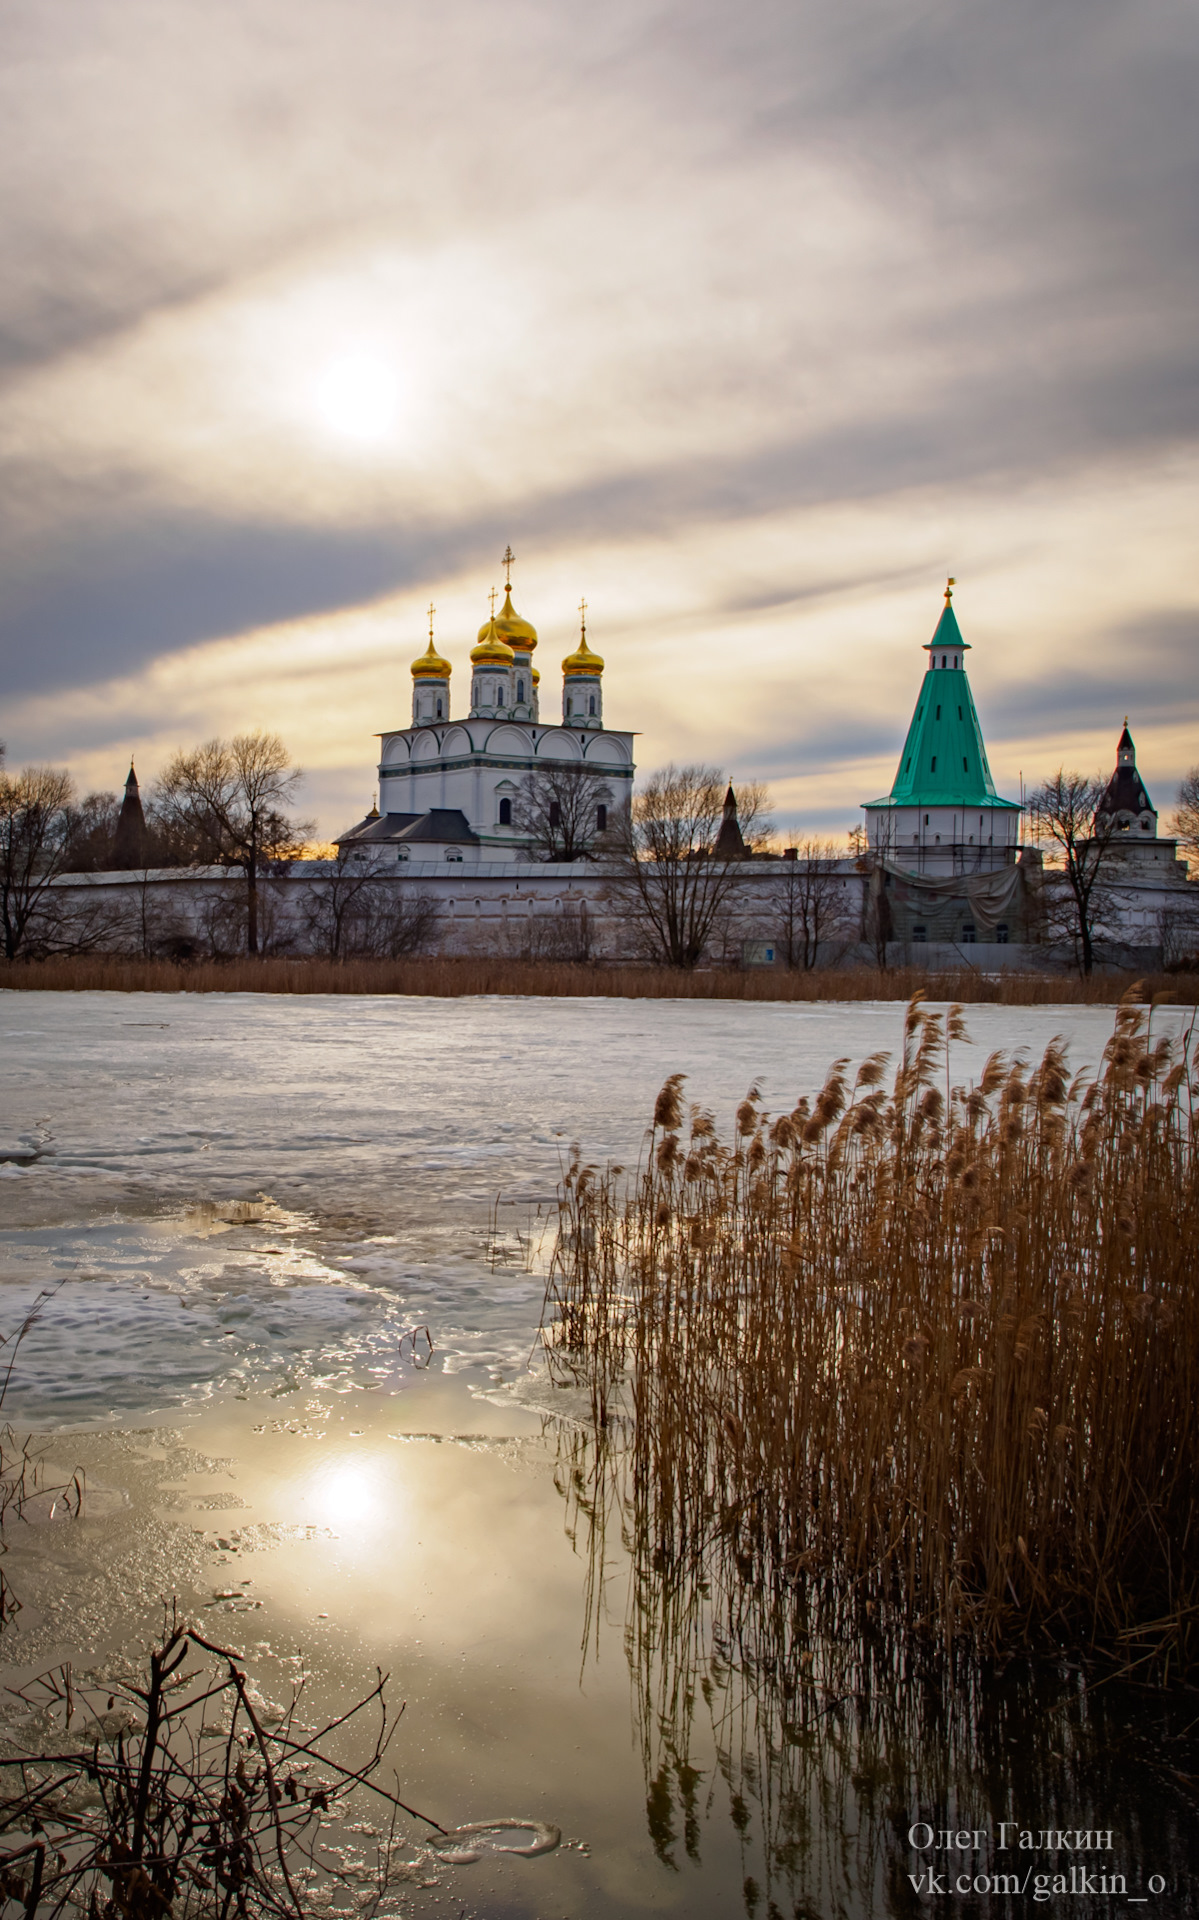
[{"x": 506, "y": 563}]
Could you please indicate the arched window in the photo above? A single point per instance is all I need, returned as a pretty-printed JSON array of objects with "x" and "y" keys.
[
  {"x": 591, "y": 704},
  {"x": 439, "y": 709},
  {"x": 601, "y": 819},
  {"x": 555, "y": 813},
  {"x": 499, "y": 696},
  {"x": 505, "y": 813},
  {"x": 942, "y": 659},
  {"x": 570, "y": 705},
  {"x": 934, "y": 766},
  {"x": 520, "y": 690}
]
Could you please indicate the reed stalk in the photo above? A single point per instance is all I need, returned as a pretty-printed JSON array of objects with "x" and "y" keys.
[{"x": 935, "y": 1358}]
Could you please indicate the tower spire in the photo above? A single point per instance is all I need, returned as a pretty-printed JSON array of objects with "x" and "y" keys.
[{"x": 506, "y": 563}]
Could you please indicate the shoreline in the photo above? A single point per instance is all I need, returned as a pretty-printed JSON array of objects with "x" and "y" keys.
[{"x": 471, "y": 978}]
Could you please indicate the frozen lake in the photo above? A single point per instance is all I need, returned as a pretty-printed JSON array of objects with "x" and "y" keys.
[
  {"x": 243, "y": 1204},
  {"x": 391, "y": 1135}
]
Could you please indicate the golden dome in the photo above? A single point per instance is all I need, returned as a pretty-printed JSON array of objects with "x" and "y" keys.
[
  {"x": 520, "y": 634},
  {"x": 582, "y": 660},
  {"x": 492, "y": 650},
  {"x": 536, "y": 677},
  {"x": 431, "y": 666}
]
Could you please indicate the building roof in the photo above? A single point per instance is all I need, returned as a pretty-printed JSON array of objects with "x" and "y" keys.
[
  {"x": 944, "y": 761},
  {"x": 730, "y": 844},
  {"x": 443, "y": 824},
  {"x": 1125, "y": 791},
  {"x": 378, "y": 826},
  {"x": 129, "y": 840}
]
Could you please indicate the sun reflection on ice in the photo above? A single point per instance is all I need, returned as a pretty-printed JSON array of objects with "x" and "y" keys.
[{"x": 356, "y": 1497}]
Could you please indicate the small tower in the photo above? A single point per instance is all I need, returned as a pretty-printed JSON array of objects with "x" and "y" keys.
[
  {"x": 582, "y": 682},
  {"x": 730, "y": 844},
  {"x": 521, "y": 636},
  {"x": 943, "y": 814},
  {"x": 129, "y": 842},
  {"x": 492, "y": 662},
  {"x": 430, "y": 684},
  {"x": 1125, "y": 805}
]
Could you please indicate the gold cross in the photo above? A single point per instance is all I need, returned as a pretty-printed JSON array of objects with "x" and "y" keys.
[
  {"x": 493, "y": 592},
  {"x": 506, "y": 563},
  {"x": 432, "y": 611},
  {"x": 949, "y": 586},
  {"x": 583, "y": 618}
]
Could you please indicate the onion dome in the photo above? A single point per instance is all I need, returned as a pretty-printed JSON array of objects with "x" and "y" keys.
[
  {"x": 492, "y": 650},
  {"x": 520, "y": 634},
  {"x": 536, "y": 677},
  {"x": 431, "y": 666},
  {"x": 582, "y": 660}
]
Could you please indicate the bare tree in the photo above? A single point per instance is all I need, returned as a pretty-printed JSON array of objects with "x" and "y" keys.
[
  {"x": 35, "y": 837},
  {"x": 666, "y": 877},
  {"x": 1186, "y": 814},
  {"x": 354, "y": 913},
  {"x": 1076, "y": 898},
  {"x": 871, "y": 855},
  {"x": 1178, "y": 933},
  {"x": 808, "y": 903},
  {"x": 563, "y": 811},
  {"x": 562, "y": 936},
  {"x": 228, "y": 801},
  {"x": 337, "y": 902},
  {"x": 92, "y": 826}
]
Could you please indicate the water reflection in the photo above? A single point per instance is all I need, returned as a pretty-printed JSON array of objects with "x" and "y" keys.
[{"x": 805, "y": 1718}]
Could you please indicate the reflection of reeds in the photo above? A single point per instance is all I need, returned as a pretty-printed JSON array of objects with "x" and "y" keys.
[
  {"x": 21, "y": 1475},
  {"x": 452, "y": 977},
  {"x": 793, "y": 1709},
  {"x": 938, "y": 1354}
]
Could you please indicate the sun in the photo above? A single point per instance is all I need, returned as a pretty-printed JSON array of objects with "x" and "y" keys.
[{"x": 357, "y": 395}]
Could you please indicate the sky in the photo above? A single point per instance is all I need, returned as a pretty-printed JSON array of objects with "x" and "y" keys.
[{"x": 748, "y": 322}]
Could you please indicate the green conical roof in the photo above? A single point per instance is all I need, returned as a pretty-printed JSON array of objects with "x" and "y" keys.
[{"x": 944, "y": 761}]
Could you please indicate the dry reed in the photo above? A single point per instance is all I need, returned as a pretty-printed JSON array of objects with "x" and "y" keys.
[
  {"x": 188, "y": 1795},
  {"x": 926, "y": 1350},
  {"x": 450, "y": 978}
]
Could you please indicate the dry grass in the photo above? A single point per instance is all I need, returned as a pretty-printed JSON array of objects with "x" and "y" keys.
[
  {"x": 931, "y": 1352},
  {"x": 184, "y": 1794},
  {"x": 451, "y": 978}
]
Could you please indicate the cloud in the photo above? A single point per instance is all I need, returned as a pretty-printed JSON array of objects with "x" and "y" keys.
[{"x": 752, "y": 322}]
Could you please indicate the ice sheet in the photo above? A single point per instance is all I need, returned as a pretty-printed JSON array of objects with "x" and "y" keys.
[{"x": 411, "y": 1148}]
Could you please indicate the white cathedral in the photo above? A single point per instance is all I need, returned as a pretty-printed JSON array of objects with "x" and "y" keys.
[{"x": 449, "y": 788}]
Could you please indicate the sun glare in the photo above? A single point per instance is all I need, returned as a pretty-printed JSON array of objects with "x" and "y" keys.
[
  {"x": 347, "y": 1493},
  {"x": 358, "y": 395}
]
